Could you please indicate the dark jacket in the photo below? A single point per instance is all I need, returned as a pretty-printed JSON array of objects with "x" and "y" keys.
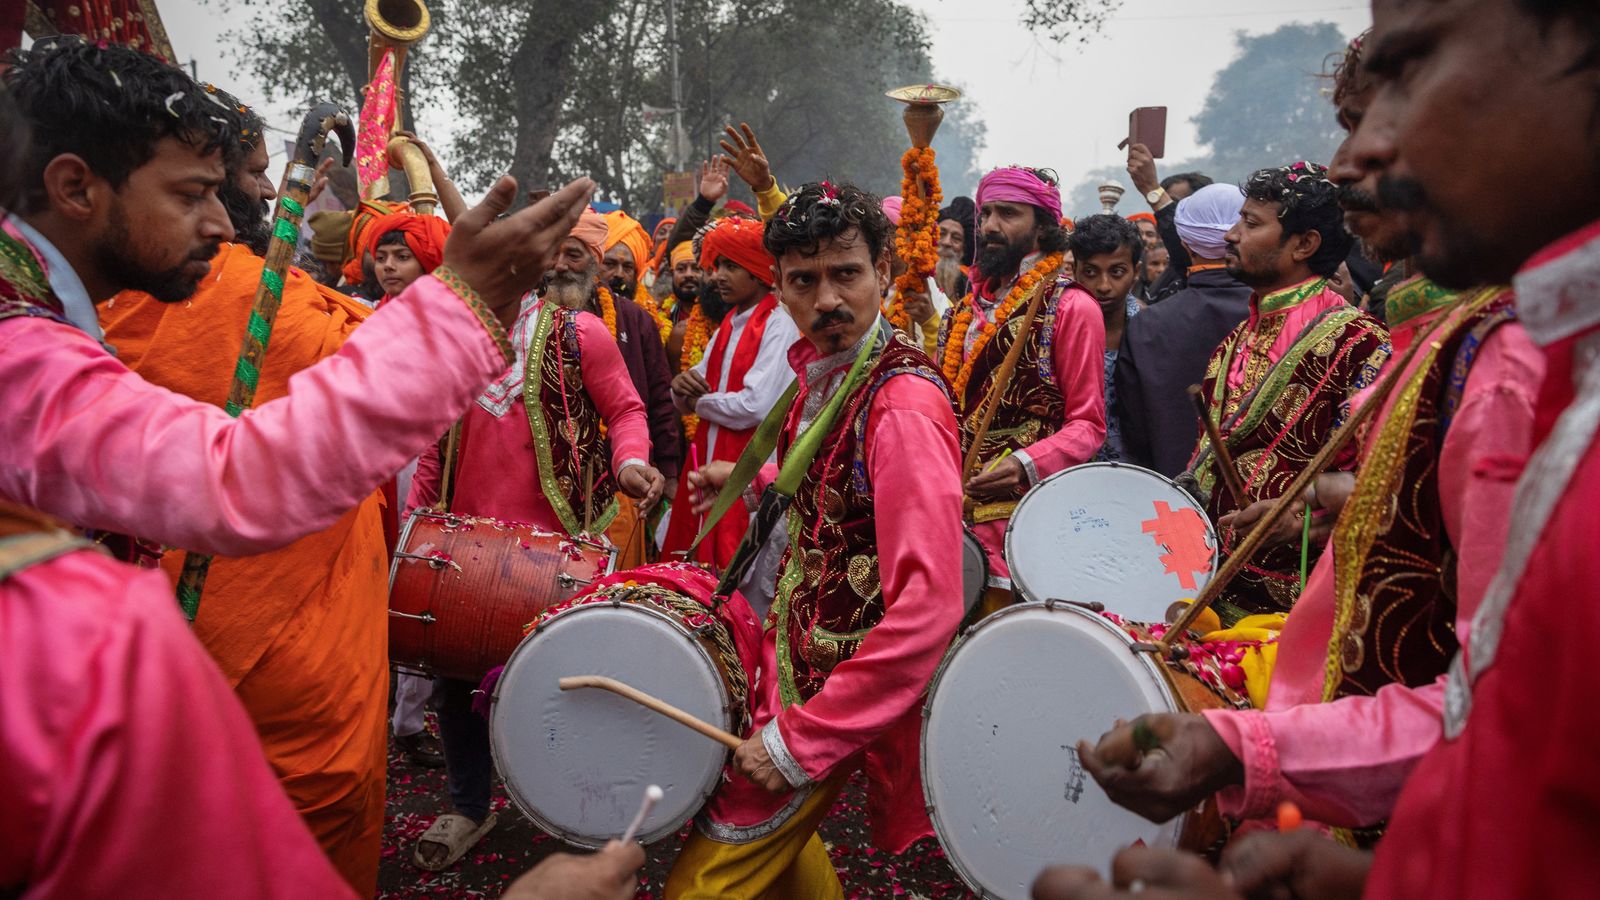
[
  {"x": 1164, "y": 350},
  {"x": 646, "y": 358}
]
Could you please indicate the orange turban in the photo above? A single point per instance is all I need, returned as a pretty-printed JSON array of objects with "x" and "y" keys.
[
  {"x": 366, "y": 212},
  {"x": 425, "y": 235},
  {"x": 591, "y": 232},
  {"x": 624, "y": 229},
  {"x": 1143, "y": 216},
  {"x": 739, "y": 241},
  {"x": 684, "y": 250},
  {"x": 660, "y": 252}
]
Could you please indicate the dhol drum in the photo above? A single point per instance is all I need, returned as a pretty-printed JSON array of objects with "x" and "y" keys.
[
  {"x": 974, "y": 571},
  {"x": 577, "y": 762},
  {"x": 1108, "y": 533},
  {"x": 1000, "y": 770},
  {"x": 462, "y": 588}
]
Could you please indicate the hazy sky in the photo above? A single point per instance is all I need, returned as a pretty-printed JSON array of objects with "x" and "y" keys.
[{"x": 1063, "y": 106}]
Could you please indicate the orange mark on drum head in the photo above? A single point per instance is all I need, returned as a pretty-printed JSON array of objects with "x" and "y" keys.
[{"x": 1182, "y": 534}]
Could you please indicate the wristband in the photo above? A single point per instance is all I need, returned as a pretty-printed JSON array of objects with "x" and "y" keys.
[{"x": 452, "y": 279}]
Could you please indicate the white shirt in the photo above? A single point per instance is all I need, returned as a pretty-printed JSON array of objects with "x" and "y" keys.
[{"x": 764, "y": 383}]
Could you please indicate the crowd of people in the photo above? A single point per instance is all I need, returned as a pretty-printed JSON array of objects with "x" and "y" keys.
[{"x": 1396, "y": 367}]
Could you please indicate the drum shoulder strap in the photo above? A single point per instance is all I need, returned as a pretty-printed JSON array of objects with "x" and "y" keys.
[{"x": 19, "y": 551}]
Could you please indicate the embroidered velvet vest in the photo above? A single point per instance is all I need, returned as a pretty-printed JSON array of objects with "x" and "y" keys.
[
  {"x": 1394, "y": 565},
  {"x": 24, "y": 288},
  {"x": 574, "y": 454},
  {"x": 829, "y": 594},
  {"x": 1274, "y": 424},
  {"x": 1032, "y": 407}
]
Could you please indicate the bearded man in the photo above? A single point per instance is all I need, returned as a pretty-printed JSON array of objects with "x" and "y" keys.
[
  {"x": 525, "y": 455},
  {"x": 1383, "y": 611},
  {"x": 868, "y": 598},
  {"x": 271, "y": 621},
  {"x": 1278, "y": 385},
  {"x": 1051, "y": 412}
]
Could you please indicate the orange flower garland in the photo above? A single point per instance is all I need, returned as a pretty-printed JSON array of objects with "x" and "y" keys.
[
  {"x": 916, "y": 238},
  {"x": 696, "y": 337},
  {"x": 608, "y": 310},
  {"x": 647, "y": 302},
  {"x": 960, "y": 372}
]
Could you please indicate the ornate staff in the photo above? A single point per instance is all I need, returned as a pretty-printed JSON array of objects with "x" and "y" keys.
[
  {"x": 322, "y": 119},
  {"x": 917, "y": 235}
]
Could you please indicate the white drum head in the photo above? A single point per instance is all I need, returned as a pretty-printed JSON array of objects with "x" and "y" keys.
[
  {"x": 577, "y": 762},
  {"x": 1114, "y": 534},
  {"x": 1000, "y": 767},
  {"x": 974, "y": 570}
]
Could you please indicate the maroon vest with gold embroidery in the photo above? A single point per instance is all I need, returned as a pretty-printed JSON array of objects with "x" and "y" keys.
[
  {"x": 580, "y": 454},
  {"x": 833, "y": 597},
  {"x": 1033, "y": 406}
]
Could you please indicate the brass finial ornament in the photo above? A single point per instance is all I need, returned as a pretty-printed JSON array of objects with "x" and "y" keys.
[{"x": 924, "y": 111}]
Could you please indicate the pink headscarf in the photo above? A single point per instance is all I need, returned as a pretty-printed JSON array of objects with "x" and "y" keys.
[
  {"x": 892, "y": 207},
  {"x": 1015, "y": 184}
]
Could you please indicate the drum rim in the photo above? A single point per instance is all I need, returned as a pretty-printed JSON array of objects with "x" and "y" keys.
[
  {"x": 1150, "y": 667},
  {"x": 1027, "y": 595},
  {"x": 539, "y": 821}
]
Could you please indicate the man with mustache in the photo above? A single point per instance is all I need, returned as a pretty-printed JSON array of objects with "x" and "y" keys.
[
  {"x": 1277, "y": 385},
  {"x": 1385, "y": 614},
  {"x": 527, "y": 453},
  {"x": 869, "y": 596},
  {"x": 1050, "y": 415},
  {"x": 119, "y": 191},
  {"x": 738, "y": 380},
  {"x": 320, "y": 714}
]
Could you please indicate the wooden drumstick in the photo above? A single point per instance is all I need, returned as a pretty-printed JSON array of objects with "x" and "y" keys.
[
  {"x": 1230, "y": 475},
  {"x": 648, "y": 702},
  {"x": 1290, "y": 499}
]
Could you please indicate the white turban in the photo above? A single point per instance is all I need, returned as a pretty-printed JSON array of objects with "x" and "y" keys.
[{"x": 1206, "y": 215}]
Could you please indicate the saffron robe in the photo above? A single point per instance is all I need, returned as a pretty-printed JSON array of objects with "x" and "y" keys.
[{"x": 300, "y": 632}]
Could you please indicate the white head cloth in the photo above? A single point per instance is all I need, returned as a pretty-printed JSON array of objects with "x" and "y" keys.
[{"x": 1206, "y": 215}]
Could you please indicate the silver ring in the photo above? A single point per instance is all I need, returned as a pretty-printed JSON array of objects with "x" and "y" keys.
[{"x": 1136, "y": 886}]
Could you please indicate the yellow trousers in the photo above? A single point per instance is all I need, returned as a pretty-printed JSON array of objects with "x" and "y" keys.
[{"x": 788, "y": 863}]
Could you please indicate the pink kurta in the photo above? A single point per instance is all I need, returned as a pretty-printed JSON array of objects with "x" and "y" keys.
[
  {"x": 869, "y": 710},
  {"x": 1077, "y": 353},
  {"x": 1295, "y": 320},
  {"x": 127, "y": 766},
  {"x": 90, "y": 442},
  {"x": 1506, "y": 804},
  {"x": 1301, "y": 749},
  {"x": 498, "y": 473}
]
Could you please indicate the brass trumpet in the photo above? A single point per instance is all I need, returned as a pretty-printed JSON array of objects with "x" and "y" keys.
[{"x": 394, "y": 25}]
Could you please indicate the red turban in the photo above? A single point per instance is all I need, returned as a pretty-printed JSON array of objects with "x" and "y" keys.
[
  {"x": 1144, "y": 217},
  {"x": 738, "y": 208},
  {"x": 739, "y": 241},
  {"x": 425, "y": 235},
  {"x": 365, "y": 213},
  {"x": 624, "y": 229}
]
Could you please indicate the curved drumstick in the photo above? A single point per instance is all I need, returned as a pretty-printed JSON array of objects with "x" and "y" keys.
[{"x": 651, "y": 703}]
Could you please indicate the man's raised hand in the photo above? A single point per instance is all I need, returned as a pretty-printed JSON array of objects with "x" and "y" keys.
[
  {"x": 748, "y": 160},
  {"x": 504, "y": 259}
]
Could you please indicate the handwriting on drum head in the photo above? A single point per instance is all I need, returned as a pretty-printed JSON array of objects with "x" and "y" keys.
[
  {"x": 1083, "y": 520},
  {"x": 1074, "y": 791},
  {"x": 1181, "y": 533}
]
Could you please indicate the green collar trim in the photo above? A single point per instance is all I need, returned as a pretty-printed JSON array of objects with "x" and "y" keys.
[
  {"x": 1416, "y": 296},
  {"x": 1290, "y": 297}
]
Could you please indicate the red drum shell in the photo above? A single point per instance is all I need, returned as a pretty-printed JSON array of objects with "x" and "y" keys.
[{"x": 462, "y": 588}]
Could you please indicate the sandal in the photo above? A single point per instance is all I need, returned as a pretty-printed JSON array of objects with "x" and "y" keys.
[{"x": 454, "y": 832}]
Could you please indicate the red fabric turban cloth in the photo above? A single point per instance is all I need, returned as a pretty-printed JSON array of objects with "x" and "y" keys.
[
  {"x": 365, "y": 213},
  {"x": 425, "y": 235},
  {"x": 738, "y": 241}
]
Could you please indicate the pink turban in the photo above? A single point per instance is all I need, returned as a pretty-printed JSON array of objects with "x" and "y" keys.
[
  {"x": 891, "y": 208},
  {"x": 591, "y": 232},
  {"x": 1015, "y": 184}
]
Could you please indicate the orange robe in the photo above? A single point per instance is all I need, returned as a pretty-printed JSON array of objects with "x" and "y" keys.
[{"x": 301, "y": 633}]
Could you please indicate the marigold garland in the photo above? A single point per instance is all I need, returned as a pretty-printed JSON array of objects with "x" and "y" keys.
[
  {"x": 608, "y": 310},
  {"x": 647, "y": 302},
  {"x": 916, "y": 238},
  {"x": 957, "y": 364},
  {"x": 696, "y": 337}
]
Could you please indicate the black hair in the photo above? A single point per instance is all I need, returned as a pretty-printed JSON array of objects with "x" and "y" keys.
[
  {"x": 1105, "y": 233},
  {"x": 820, "y": 212},
  {"x": 392, "y": 239},
  {"x": 1053, "y": 236},
  {"x": 109, "y": 105},
  {"x": 1307, "y": 201},
  {"x": 1585, "y": 14},
  {"x": 245, "y": 128},
  {"x": 1194, "y": 180},
  {"x": 13, "y": 151},
  {"x": 1346, "y": 72}
]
